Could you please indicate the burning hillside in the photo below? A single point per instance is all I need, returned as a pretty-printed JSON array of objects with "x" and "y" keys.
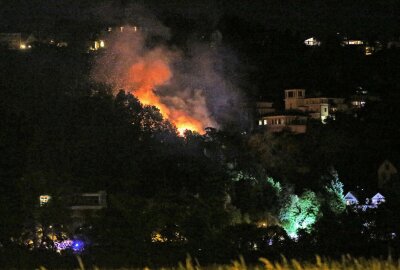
[{"x": 187, "y": 89}]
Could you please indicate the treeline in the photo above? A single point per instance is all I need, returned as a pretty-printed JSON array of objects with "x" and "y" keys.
[{"x": 214, "y": 196}]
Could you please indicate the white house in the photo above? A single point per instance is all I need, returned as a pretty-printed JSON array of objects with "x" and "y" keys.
[
  {"x": 370, "y": 203},
  {"x": 312, "y": 41},
  {"x": 350, "y": 199},
  {"x": 377, "y": 199}
]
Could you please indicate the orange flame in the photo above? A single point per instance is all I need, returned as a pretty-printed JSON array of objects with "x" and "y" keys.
[{"x": 144, "y": 76}]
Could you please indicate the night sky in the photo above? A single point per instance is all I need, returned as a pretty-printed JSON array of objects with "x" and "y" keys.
[{"x": 356, "y": 17}]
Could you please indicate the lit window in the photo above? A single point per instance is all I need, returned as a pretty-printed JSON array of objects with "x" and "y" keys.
[
  {"x": 265, "y": 121},
  {"x": 44, "y": 199},
  {"x": 260, "y": 122}
]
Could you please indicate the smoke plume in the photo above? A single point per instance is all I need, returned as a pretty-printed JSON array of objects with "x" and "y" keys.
[{"x": 188, "y": 87}]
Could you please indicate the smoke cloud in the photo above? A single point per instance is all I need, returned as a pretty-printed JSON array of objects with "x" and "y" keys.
[{"x": 189, "y": 87}]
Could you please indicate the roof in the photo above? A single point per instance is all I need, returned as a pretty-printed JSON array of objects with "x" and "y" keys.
[
  {"x": 288, "y": 113},
  {"x": 378, "y": 195},
  {"x": 350, "y": 196}
]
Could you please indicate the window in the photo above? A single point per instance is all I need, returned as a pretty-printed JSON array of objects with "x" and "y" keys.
[
  {"x": 44, "y": 199},
  {"x": 290, "y": 94},
  {"x": 300, "y": 93},
  {"x": 260, "y": 122},
  {"x": 325, "y": 109},
  {"x": 265, "y": 122}
]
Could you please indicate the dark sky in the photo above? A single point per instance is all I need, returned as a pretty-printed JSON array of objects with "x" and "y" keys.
[{"x": 358, "y": 17}]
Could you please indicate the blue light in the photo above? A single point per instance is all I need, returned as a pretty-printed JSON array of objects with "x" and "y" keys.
[{"x": 78, "y": 245}]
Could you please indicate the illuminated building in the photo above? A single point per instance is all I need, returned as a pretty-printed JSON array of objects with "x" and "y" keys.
[
  {"x": 352, "y": 42},
  {"x": 320, "y": 108},
  {"x": 97, "y": 44},
  {"x": 277, "y": 123},
  {"x": 350, "y": 199},
  {"x": 44, "y": 199},
  {"x": 378, "y": 199},
  {"x": 369, "y": 50},
  {"x": 370, "y": 203},
  {"x": 362, "y": 98},
  {"x": 312, "y": 41},
  {"x": 298, "y": 109},
  {"x": 16, "y": 41}
]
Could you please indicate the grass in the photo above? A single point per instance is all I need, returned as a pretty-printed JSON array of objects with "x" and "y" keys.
[{"x": 347, "y": 262}]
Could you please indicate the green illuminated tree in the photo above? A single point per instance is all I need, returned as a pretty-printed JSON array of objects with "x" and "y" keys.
[
  {"x": 300, "y": 212},
  {"x": 335, "y": 198}
]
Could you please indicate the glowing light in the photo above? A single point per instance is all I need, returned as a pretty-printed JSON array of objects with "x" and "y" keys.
[
  {"x": 78, "y": 245},
  {"x": 145, "y": 76},
  {"x": 102, "y": 44},
  {"x": 312, "y": 42},
  {"x": 63, "y": 245},
  {"x": 44, "y": 199},
  {"x": 300, "y": 213},
  {"x": 157, "y": 237},
  {"x": 22, "y": 46}
]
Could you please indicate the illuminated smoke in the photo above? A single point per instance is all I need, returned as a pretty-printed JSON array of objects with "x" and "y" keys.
[{"x": 187, "y": 88}]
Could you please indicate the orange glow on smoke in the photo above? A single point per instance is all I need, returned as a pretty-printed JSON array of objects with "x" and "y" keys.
[{"x": 144, "y": 76}]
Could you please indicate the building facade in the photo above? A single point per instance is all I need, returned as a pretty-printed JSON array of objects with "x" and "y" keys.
[
  {"x": 277, "y": 123},
  {"x": 320, "y": 108}
]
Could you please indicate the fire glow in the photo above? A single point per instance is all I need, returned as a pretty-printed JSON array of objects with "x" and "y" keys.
[
  {"x": 145, "y": 76},
  {"x": 182, "y": 86}
]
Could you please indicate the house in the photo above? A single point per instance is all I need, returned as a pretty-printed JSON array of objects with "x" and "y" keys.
[
  {"x": 377, "y": 199},
  {"x": 11, "y": 41},
  {"x": 86, "y": 205},
  {"x": 352, "y": 42},
  {"x": 312, "y": 41},
  {"x": 264, "y": 107},
  {"x": 350, "y": 199},
  {"x": 386, "y": 173},
  {"x": 360, "y": 98},
  {"x": 82, "y": 206},
  {"x": 370, "y": 203},
  {"x": 317, "y": 107},
  {"x": 279, "y": 122},
  {"x": 89, "y": 201},
  {"x": 298, "y": 109}
]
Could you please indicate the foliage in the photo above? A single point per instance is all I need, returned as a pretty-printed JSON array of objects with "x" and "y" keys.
[
  {"x": 280, "y": 154},
  {"x": 275, "y": 185},
  {"x": 346, "y": 262},
  {"x": 335, "y": 198},
  {"x": 300, "y": 212}
]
